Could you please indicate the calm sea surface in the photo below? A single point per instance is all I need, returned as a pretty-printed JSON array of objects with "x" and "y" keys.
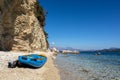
[{"x": 89, "y": 66}]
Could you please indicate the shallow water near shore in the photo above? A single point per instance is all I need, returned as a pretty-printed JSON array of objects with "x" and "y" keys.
[{"x": 88, "y": 66}]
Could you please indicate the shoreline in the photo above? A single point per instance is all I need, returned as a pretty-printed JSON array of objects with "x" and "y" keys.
[
  {"x": 64, "y": 73},
  {"x": 67, "y": 75},
  {"x": 47, "y": 72}
]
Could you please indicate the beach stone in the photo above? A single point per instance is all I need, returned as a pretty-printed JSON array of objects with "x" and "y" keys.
[
  {"x": 96, "y": 79},
  {"x": 22, "y": 26}
]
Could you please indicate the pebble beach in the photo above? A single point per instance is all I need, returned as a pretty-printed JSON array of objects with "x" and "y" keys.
[{"x": 47, "y": 72}]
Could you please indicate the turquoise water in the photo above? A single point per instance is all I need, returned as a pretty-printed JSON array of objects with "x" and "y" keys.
[{"x": 89, "y": 66}]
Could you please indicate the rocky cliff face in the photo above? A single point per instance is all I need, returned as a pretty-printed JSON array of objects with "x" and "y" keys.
[{"x": 22, "y": 26}]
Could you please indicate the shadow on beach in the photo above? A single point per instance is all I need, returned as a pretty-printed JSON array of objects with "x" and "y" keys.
[{"x": 15, "y": 64}]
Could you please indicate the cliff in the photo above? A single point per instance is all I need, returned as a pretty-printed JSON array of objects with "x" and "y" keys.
[{"x": 22, "y": 26}]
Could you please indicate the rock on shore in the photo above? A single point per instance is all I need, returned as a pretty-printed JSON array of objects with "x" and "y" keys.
[{"x": 47, "y": 72}]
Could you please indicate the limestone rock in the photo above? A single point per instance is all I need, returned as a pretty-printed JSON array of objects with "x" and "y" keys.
[{"x": 22, "y": 26}]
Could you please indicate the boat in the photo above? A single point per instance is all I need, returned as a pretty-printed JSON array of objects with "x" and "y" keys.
[
  {"x": 98, "y": 53},
  {"x": 33, "y": 60}
]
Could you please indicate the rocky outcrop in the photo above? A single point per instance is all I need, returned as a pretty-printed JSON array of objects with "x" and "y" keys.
[
  {"x": 22, "y": 26},
  {"x": 70, "y": 51}
]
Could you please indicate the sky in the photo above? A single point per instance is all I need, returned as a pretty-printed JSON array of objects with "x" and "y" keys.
[{"x": 83, "y": 24}]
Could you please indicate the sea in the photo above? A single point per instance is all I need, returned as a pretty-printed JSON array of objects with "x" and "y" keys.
[{"x": 89, "y": 66}]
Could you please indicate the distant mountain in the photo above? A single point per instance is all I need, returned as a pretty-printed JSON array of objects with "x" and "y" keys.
[
  {"x": 113, "y": 48},
  {"x": 110, "y": 50},
  {"x": 64, "y": 48},
  {"x": 58, "y": 48},
  {"x": 92, "y": 50}
]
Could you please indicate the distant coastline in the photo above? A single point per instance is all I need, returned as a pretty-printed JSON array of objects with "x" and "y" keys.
[
  {"x": 65, "y": 51},
  {"x": 104, "y": 50},
  {"x": 109, "y": 50},
  {"x": 70, "y": 51}
]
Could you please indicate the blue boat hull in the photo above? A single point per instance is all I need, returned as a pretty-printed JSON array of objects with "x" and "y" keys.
[{"x": 33, "y": 60}]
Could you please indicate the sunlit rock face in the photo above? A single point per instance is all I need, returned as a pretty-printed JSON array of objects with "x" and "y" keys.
[{"x": 22, "y": 26}]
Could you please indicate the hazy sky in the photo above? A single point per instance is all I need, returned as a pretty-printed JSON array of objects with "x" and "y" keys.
[{"x": 83, "y": 24}]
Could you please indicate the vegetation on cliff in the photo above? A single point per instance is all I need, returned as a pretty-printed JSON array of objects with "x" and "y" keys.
[
  {"x": 39, "y": 13},
  {"x": 41, "y": 16}
]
